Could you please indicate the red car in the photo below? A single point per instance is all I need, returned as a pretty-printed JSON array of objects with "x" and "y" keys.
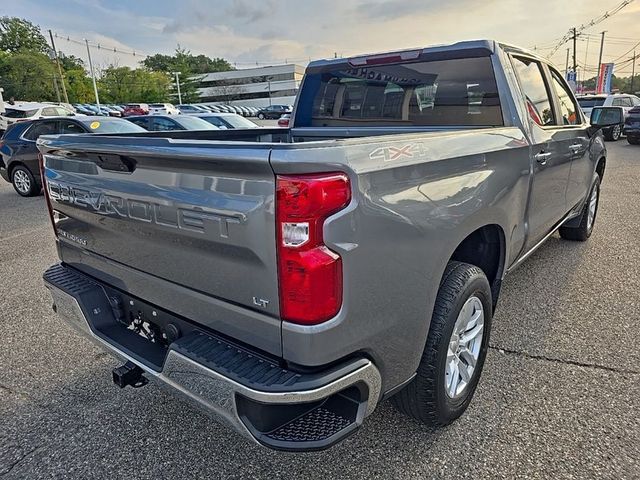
[
  {"x": 283, "y": 121},
  {"x": 135, "y": 109}
]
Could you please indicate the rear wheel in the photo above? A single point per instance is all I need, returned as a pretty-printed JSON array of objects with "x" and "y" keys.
[
  {"x": 261, "y": 116},
  {"x": 587, "y": 218},
  {"x": 24, "y": 182},
  {"x": 613, "y": 133},
  {"x": 456, "y": 347},
  {"x": 633, "y": 140}
]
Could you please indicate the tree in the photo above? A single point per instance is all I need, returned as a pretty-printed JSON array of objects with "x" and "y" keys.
[
  {"x": 123, "y": 84},
  {"x": 191, "y": 67},
  {"x": 17, "y": 34},
  {"x": 27, "y": 76}
]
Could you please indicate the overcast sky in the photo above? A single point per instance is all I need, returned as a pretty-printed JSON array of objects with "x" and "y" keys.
[{"x": 272, "y": 31}]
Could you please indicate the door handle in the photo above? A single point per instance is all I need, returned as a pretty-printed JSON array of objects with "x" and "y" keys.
[
  {"x": 542, "y": 157},
  {"x": 575, "y": 148}
]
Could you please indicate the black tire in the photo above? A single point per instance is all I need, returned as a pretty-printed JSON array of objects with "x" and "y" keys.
[
  {"x": 613, "y": 134},
  {"x": 633, "y": 140},
  {"x": 24, "y": 183},
  {"x": 583, "y": 231},
  {"x": 425, "y": 398},
  {"x": 261, "y": 116}
]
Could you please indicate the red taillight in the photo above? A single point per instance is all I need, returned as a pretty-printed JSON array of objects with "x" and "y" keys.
[
  {"x": 310, "y": 275},
  {"x": 46, "y": 193}
]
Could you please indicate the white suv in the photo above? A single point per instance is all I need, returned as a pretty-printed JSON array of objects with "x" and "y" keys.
[
  {"x": 162, "y": 109},
  {"x": 22, "y": 112},
  {"x": 622, "y": 100}
]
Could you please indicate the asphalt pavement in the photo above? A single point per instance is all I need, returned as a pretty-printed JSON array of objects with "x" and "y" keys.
[{"x": 559, "y": 396}]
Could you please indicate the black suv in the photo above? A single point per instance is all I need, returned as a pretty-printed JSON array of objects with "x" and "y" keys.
[
  {"x": 273, "y": 111},
  {"x": 19, "y": 154},
  {"x": 632, "y": 126}
]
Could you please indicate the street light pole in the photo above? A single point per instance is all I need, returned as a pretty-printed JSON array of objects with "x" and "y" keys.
[
  {"x": 269, "y": 88},
  {"x": 177, "y": 74},
  {"x": 93, "y": 75}
]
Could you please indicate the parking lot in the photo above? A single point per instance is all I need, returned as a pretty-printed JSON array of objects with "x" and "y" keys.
[{"x": 559, "y": 396}]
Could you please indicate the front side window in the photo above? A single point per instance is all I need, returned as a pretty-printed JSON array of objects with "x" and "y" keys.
[
  {"x": 533, "y": 87},
  {"x": 49, "y": 112},
  {"x": 163, "y": 124},
  {"x": 568, "y": 109},
  {"x": 70, "y": 127}
]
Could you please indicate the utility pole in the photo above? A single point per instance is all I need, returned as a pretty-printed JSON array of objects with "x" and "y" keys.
[
  {"x": 55, "y": 85},
  {"x": 633, "y": 71},
  {"x": 566, "y": 64},
  {"x": 55, "y": 52},
  {"x": 177, "y": 74},
  {"x": 575, "y": 64},
  {"x": 93, "y": 75},
  {"x": 600, "y": 59}
]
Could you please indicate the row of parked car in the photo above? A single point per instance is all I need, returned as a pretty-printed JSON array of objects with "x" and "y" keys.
[
  {"x": 270, "y": 112},
  {"x": 19, "y": 154}
]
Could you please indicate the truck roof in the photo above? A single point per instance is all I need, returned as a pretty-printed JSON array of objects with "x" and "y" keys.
[{"x": 467, "y": 48}]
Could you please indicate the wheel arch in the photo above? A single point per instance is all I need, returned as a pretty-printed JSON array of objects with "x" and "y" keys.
[{"x": 485, "y": 247}]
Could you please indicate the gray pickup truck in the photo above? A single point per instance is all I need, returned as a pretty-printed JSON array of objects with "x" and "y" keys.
[{"x": 289, "y": 280}]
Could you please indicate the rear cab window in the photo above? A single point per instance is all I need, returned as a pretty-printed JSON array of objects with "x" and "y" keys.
[{"x": 453, "y": 92}]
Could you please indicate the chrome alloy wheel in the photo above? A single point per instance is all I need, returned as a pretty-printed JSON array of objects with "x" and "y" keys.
[
  {"x": 21, "y": 181},
  {"x": 464, "y": 347},
  {"x": 593, "y": 204},
  {"x": 615, "y": 134}
]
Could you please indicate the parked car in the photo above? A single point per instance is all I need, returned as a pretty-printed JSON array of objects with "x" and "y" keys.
[
  {"x": 227, "y": 120},
  {"x": 135, "y": 109},
  {"x": 273, "y": 111},
  {"x": 622, "y": 100},
  {"x": 632, "y": 126},
  {"x": 163, "y": 109},
  {"x": 161, "y": 123},
  {"x": 283, "y": 121},
  {"x": 19, "y": 154},
  {"x": 191, "y": 109},
  {"x": 291, "y": 282},
  {"x": 82, "y": 109},
  {"x": 23, "y": 112}
]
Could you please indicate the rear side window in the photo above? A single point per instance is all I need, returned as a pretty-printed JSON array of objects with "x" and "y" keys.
[
  {"x": 444, "y": 92},
  {"x": 533, "y": 87},
  {"x": 41, "y": 128},
  {"x": 14, "y": 113}
]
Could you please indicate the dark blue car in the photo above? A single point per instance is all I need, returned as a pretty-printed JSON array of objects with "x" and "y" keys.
[
  {"x": 632, "y": 126},
  {"x": 19, "y": 154}
]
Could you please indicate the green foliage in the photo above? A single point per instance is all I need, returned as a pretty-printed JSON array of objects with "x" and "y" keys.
[
  {"x": 27, "y": 76},
  {"x": 17, "y": 34},
  {"x": 27, "y": 72},
  {"x": 123, "y": 84},
  {"x": 191, "y": 68}
]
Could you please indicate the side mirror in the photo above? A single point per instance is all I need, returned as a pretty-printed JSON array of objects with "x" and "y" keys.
[{"x": 606, "y": 116}]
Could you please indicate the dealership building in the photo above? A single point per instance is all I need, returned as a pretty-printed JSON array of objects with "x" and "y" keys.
[{"x": 259, "y": 86}]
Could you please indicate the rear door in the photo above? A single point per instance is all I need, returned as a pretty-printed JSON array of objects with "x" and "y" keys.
[
  {"x": 551, "y": 160},
  {"x": 571, "y": 138}
]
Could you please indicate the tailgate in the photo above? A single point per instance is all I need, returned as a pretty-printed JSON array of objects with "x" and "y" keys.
[{"x": 197, "y": 214}]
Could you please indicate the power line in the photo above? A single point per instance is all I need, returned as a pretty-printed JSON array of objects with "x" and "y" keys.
[
  {"x": 99, "y": 46},
  {"x": 577, "y": 31}
]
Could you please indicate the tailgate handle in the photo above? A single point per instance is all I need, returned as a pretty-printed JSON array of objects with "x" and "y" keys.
[{"x": 114, "y": 163}]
